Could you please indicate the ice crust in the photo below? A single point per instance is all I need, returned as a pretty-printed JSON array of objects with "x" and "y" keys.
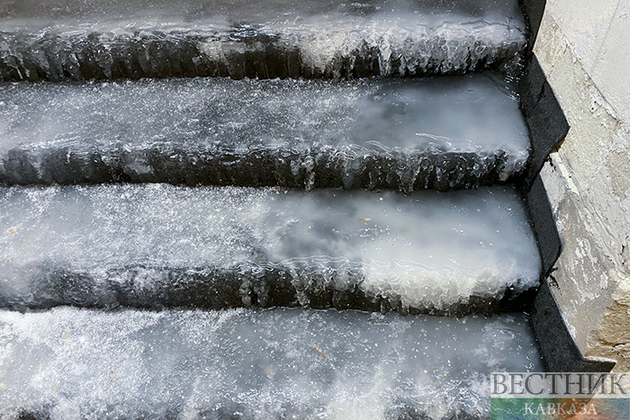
[
  {"x": 282, "y": 363},
  {"x": 439, "y": 133},
  {"x": 160, "y": 246},
  {"x": 252, "y": 39}
]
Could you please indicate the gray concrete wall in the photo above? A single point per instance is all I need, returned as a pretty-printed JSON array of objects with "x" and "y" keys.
[{"x": 584, "y": 48}]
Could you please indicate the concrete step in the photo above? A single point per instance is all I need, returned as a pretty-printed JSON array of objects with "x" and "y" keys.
[
  {"x": 437, "y": 133},
  {"x": 255, "y": 364},
  {"x": 159, "y": 246},
  {"x": 76, "y": 40}
]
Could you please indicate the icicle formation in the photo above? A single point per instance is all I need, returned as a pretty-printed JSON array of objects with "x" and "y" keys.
[
  {"x": 162, "y": 246},
  {"x": 445, "y": 133},
  {"x": 279, "y": 363},
  {"x": 322, "y": 39},
  {"x": 259, "y": 53}
]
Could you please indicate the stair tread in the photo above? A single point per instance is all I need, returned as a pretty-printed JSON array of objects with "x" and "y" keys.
[
  {"x": 76, "y": 12},
  {"x": 243, "y": 39},
  {"x": 280, "y": 363},
  {"x": 442, "y": 133},
  {"x": 159, "y": 246}
]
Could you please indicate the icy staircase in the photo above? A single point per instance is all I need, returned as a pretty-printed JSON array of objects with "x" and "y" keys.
[{"x": 239, "y": 233}]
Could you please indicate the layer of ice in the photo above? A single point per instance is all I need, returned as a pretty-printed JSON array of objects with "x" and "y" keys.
[
  {"x": 158, "y": 245},
  {"x": 282, "y": 363},
  {"x": 441, "y": 133},
  {"x": 56, "y": 12},
  {"x": 80, "y": 40}
]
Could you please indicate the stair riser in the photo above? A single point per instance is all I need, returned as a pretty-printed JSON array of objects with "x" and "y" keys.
[
  {"x": 206, "y": 288},
  {"x": 360, "y": 48},
  {"x": 349, "y": 168}
]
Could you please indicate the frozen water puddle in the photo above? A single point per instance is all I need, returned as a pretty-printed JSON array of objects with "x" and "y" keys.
[
  {"x": 283, "y": 363},
  {"x": 96, "y": 40},
  {"x": 436, "y": 133},
  {"x": 157, "y": 246}
]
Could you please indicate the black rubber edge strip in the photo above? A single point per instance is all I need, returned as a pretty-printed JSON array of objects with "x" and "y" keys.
[
  {"x": 559, "y": 351},
  {"x": 533, "y": 11},
  {"x": 544, "y": 118},
  {"x": 557, "y": 347}
]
